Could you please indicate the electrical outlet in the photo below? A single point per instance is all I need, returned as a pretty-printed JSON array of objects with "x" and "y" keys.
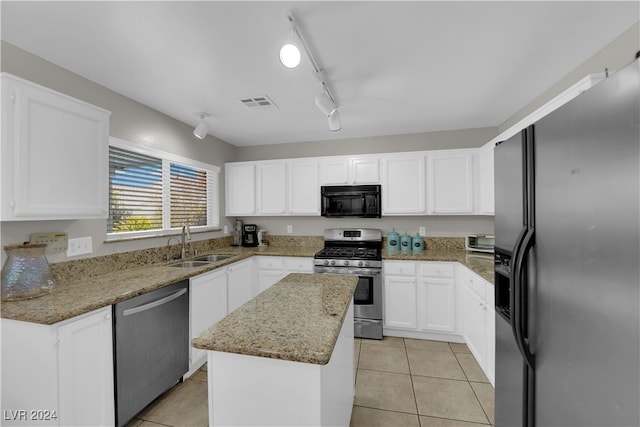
[
  {"x": 80, "y": 246},
  {"x": 225, "y": 229},
  {"x": 289, "y": 229},
  {"x": 423, "y": 231}
]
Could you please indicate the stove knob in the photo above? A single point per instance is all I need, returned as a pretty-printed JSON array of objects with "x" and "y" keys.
[
  {"x": 333, "y": 262},
  {"x": 366, "y": 263},
  {"x": 360, "y": 263},
  {"x": 346, "y": 263},
  {"x": 326, "y": 262}
]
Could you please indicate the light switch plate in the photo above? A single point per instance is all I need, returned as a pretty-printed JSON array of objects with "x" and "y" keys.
[
  {"x": 56, "y": 241},
  {"x": 423, "y": 231},
  {"x": 80, "y": 246}
]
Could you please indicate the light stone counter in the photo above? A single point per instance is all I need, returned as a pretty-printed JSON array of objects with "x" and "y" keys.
[{"x": 298, "y": 319}]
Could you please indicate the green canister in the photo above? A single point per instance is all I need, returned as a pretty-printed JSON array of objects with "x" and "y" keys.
[
  {"x": 393, "y": 241},
  {"x": 417, "y": 244},
  {"x": 405, "y": 242}
]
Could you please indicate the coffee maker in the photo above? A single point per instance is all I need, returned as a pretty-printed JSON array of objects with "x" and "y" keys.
[{"x": 249, "y": 235}]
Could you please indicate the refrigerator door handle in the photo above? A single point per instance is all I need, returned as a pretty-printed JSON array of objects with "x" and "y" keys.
[
  {"x": 519, "y": 277},
  {"x": 513, "y": 294}
]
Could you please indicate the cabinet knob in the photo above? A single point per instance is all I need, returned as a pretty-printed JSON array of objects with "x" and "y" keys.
[{"x": 107, "y": 316}]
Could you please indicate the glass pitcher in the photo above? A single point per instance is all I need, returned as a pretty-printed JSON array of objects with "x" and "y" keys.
[{"x": 26, "y": 272}]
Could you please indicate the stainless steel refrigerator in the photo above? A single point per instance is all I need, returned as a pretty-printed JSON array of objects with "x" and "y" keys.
[{"x": 567, "y": 248}]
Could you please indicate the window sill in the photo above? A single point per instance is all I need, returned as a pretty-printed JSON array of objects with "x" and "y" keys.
[{"x": 167, "y": 234}]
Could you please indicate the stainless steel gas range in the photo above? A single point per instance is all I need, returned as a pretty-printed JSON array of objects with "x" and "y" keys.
[{"x": 357, "y": 251}]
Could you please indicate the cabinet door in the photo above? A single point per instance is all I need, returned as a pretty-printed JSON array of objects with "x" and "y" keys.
[
  {"x": 450, "y": 182},
  {"x": 272, "y": 188},
  {"x": 490, "y": 364},
  {"x": 334, "y": 171},
  {"x": 403, "y": 183},
  {"x": 436, "y": 302},
  {"x": 400, "y": 302},
  {"x": 304, "y": 188},
  {"x": 86, "y": 370},
  {"x": 298, "y": 265},
  {"x": 474, "y": 310},
  {"x": 484, "y": 189},
  {"x": 54, "y": 154},
  {"x": 240, "y": 189},
  {"x": 208, "y": 304},
  {"x": 268, "y": 278},
  {"x": 240, "y": 284},
  {"x": 365, "y": 171}
]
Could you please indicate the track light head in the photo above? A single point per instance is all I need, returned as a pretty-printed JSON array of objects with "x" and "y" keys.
[
  {"x": 203, "y": 127},
  {"x": 325, "y": 103},
  {"x": 335, "y": 124}
]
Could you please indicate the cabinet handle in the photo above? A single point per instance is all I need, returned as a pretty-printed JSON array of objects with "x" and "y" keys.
[{"x": 107, "y": 316}]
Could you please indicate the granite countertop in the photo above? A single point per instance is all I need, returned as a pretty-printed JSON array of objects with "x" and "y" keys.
[
  {"x": 297, "y": 319},
  {"x": 106, "y": 282}
]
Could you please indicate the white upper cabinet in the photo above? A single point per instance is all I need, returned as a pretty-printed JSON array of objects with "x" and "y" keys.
[
  {"x": 403, "y": 185},
  {"x": 272, "y": 188},
  {"x": 304, "y": 187},
  {"x": 450, "y": 182},
  {"x": 484, "y": 178},
  {"x": 348, "y": 171},
  {"x": 240, "y": 189},
  {"x": 54, "y": 154}
]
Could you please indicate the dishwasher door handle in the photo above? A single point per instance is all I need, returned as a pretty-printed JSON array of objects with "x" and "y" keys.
[{"x": 154, "y": 304}]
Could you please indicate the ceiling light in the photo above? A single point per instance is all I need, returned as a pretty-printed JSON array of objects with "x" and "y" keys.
[
  {"x": 203, "y": 127},
  {"x": 334, "y": 121},
  {"x": 290, "y": 55},
  {"x": 325, "y": 103}
]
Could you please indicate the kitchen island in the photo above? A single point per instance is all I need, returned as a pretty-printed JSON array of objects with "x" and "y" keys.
[{"x": 286, "y": 356}]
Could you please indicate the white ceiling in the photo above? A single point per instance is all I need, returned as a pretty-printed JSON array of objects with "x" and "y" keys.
[{"x": 395, "y": 67}]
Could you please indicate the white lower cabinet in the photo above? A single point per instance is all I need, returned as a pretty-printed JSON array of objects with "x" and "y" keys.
[
  {"x": 240, "y": 284},
  {"x": 273, "y": 268},
  {"x": 420, "y": 300},
  {"x": 477, "y": 303},
  {"x": 208, "y": 304},
  {"x": 58, "y": 375}
]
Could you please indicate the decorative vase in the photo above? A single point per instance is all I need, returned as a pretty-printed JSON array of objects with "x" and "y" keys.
[{"x": 26, "y": 272}]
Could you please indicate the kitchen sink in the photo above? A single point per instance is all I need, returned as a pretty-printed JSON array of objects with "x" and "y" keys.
[
  {"x": 193, "y": 263},
  {"x": 212, "y": 258}
]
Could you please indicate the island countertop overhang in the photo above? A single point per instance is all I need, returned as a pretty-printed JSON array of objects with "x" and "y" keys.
[{"x": 297, "y": 319}]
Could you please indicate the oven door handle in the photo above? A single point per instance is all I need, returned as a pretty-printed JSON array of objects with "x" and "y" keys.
[{"x": 355, "y": 271}]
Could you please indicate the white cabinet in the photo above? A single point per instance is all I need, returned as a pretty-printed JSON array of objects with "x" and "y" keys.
[
  {"x": 437, "y": 297},
  {"x": 450, "y": 182},
  {"x": 271, "y": 191},
  {"x": 240, "y": 284},
  {"x": 304, "y": 187},
  {"x": 403, "y": 185},
  {"x": 54, "y": 154},
  {"x": 478, "y": 314},
  {"x": 240, "y": 189},
  {"x": 274, "y": 188},
  {"x": 64, "y": 372},
  {"x": 484, "y": 179},
  {"x": 345, "y": 170},
  {"x": 207, "y": 305},
  {"x": 272, "y": 268},
  {"x": 420, "y": 300}
]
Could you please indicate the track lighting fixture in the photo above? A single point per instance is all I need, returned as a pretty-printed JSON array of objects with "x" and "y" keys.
[
  {"x": 203, "y": 127},
  {"x": 325, "y": 100}
]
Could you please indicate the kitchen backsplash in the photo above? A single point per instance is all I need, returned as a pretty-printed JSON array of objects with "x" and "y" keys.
[{"x": 91, "y": 267}]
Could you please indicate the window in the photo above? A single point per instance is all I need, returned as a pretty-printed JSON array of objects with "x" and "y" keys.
[{"x": 151, "y": 192}]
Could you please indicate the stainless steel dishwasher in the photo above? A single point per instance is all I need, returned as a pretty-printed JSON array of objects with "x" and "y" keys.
[{"x": 151, "y": 350}]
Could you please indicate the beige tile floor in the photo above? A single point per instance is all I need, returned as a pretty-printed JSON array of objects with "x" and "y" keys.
[{"x": 399, "y": 382}]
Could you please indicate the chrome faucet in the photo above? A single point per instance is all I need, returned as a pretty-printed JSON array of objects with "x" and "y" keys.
[
  {"x": 186, "y": 235},
  {"x": 169, "y": 247}
]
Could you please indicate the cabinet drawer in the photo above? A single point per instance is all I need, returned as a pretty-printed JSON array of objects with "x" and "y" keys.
[
  {"x": 437, "y": 269},
  {"x": 270, "y": 263},
  {"x": 304, "y": 265},
  {"x": 399, "y": 268}
]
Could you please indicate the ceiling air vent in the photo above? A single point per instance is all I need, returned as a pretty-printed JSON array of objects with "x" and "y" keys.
[{"x": 259, "y": 103}]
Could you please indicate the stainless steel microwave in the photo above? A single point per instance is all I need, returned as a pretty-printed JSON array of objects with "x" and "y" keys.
[{"x": 351, "y": 200}]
